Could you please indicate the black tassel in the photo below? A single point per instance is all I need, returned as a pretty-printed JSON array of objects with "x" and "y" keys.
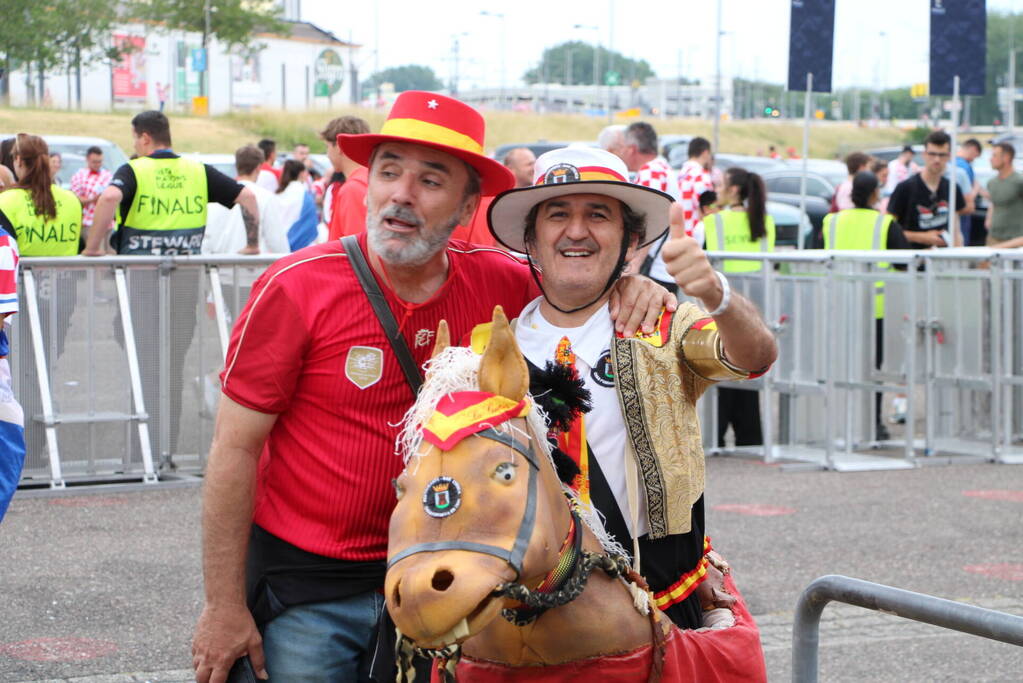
[
  {"x": 564, "y": 465},
  {"x": 560, "y": 391}
]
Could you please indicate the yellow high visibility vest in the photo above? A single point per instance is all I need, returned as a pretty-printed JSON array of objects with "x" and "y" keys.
[
  {"x": 37, "y": 235},
  {"x": 860, "y": 230},
  {"x": 731, "y": 229},
  {"x": 168, "y": 213}
]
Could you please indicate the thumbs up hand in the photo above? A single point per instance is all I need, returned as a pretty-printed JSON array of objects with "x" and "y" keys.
[{"x": 687, "y": 263}]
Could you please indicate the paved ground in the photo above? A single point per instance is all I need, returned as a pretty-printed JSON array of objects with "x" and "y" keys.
[{"x": 103, "y": 586}]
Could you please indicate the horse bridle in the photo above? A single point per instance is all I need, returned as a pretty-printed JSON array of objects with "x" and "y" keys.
[{"x": 514, "y": 556}]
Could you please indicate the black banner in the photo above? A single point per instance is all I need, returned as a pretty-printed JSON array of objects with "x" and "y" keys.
[
  {"x": 958, "y": 46},
  {"x": 811, "y": 43}
]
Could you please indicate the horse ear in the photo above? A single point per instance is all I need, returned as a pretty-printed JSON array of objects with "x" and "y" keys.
[
  {"x": 503, "y": 370},
  {"x": 443, "y": 339}
]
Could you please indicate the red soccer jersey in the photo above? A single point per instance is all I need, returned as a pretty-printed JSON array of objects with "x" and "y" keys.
[
  {"x": 477, "y": 231},
  {"x": 309, "y": 348},
  {"x": 348, "y": 213}
]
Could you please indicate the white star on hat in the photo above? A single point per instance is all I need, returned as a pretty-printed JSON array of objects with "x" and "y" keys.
[{"x": 432, "y": 104}]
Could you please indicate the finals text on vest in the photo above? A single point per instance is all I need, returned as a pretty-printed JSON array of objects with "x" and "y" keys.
[{"x": 168, "y": 211}]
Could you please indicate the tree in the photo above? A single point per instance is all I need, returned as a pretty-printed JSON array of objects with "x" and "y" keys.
[
  {"x": 408, "y": 77},
  {"x": 571, "y": 63},
  {"x": 232, "y": 22},
  {"x": 84, "y": 34}
]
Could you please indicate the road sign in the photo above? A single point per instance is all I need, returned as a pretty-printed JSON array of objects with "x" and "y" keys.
[{"x": 612, "y": 78}]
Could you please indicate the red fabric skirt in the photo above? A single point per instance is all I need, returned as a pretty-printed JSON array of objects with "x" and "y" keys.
[{"x": 731, "y": 654}]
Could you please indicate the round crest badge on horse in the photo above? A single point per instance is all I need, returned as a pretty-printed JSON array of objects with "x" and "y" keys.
[{"x": 442, "y": 497}]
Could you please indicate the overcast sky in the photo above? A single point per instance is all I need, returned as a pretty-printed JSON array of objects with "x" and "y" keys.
[{"x": 881, "y": 42}]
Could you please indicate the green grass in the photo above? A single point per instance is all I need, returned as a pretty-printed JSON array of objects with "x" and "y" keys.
[{"x": 227, "y": 133}]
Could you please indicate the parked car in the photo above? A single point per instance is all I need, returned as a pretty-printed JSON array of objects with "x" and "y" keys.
[
  {"x": 222, "y": 162},
  {"x": 755, "y": 164},
  {"x": 783, "y": 186},
  {"x": 789, "y": 224},
  {"x": 667, "y": 143},
  {"x": 70, "y": 164},
  {"x": 321, "y": 162},
  {"x": 889, "y": 153},
  {"x": 540, "y": 146}
]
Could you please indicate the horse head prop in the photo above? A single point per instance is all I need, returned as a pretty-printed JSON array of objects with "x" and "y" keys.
[{"x": 484, "y": 528}]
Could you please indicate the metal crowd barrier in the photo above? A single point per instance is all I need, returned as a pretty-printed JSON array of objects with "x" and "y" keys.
[
  {"x": 928, "y": 609},
  {"x": 116, "y": 359},
  {"x": 948, "y": 338},
  {"x": 115, "y": 362}
]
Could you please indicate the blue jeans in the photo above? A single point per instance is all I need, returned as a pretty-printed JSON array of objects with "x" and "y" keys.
[{"x": 323, "y": 641}]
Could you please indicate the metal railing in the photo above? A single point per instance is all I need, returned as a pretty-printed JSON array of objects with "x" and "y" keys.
[
  {"x": 948, "y": 338},
  {"x": 928, "y": 609},
  {"x": 115, "y": 359},
  {"x": 117, "y": 365}
]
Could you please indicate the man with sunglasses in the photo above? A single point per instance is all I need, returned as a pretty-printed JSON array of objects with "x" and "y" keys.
[{"x": 920, "y": 203}]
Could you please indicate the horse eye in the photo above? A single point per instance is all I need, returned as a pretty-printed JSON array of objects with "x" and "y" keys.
[
  {"x": 399, "y": 490},
  {"x": 505, "y": 472}
]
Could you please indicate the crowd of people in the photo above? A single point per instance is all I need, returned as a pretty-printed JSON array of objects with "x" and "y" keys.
[{"x": 415, "y": 226}]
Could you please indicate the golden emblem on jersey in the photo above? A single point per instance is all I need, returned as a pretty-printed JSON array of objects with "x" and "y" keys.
[{"x": 364, "y": 366}]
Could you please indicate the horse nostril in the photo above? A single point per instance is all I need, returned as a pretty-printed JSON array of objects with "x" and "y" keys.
[
  {"x": 442, "y": 580},
  {"x": 396, "y": 596}
]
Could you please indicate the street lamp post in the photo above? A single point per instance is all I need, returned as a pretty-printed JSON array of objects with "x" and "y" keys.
[
  {"x": 596, "y": 56},
  {"x": 504, "y": 31},
  {"x": 717, "y": 85},
  {"x": 1010, "y": 110},
  {"x": 456, "y": 56}
]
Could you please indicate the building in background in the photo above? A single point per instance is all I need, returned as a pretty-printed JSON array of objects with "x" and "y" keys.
[{"x": 309, "y": 69}]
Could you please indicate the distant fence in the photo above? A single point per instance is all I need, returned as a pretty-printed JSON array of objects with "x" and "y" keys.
[
  {"x": 928, "y": 609},
  {"x": 950, "y": 337},
  {"x": 115, "y": 359}
]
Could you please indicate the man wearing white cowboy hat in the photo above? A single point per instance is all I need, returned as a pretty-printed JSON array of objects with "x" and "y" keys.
[
  {"x": 580, "y": 223},
  {"x": 323, "y": 363}
]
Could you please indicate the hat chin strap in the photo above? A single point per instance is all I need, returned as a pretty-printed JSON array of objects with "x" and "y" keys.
[{"x": 615, "y": 274}]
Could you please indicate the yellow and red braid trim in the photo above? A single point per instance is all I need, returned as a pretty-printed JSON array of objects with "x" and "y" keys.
[{"x": 687, "y": 583}]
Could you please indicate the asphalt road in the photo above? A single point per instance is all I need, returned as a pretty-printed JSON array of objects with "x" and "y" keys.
[{"x": 103, "y": 586}]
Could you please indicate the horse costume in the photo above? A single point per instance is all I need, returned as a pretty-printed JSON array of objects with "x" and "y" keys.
[{"x": 484, "y": 528}]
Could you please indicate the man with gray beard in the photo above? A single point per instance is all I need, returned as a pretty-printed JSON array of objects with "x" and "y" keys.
[{"x": 298, "y": 492}]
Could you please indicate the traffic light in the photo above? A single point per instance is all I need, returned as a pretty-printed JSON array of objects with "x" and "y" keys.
[
  {"x": 918, "y": 91},
  {"x": 768, "y": 110}
]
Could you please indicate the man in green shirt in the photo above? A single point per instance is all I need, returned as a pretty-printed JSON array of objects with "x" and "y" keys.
[{"x": 1004, "y": 220}]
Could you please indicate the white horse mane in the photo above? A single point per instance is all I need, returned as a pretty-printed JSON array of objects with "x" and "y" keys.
[{"x": 456, "y": 368}]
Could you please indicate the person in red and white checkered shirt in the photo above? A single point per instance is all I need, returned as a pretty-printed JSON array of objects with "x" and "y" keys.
[
  {"x": 637, "y": 147},
  {"x": 88, "y": 184},
  {"x": 693, "y": 180}
]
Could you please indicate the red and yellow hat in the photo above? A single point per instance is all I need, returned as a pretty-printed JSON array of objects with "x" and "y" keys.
[
  {"x": 439, "y": 122},
  {"x": 576, "y": 170},
  {"x": 464, "y": 413}
]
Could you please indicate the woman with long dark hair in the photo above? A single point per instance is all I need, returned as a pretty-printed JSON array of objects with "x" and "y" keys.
[
  {"x": 45, "y": 219},
  {"x": 298, "y": 208},
  {"x": 743, "y": 225}
]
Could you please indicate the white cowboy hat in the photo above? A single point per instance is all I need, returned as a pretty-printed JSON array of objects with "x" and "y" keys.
[{"x": 576, "y": 170}]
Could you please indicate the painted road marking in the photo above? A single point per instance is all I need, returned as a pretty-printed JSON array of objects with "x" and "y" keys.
[
  {"x": 754, "y": 509},
  {"x": 88, "y": 501},
  {"x": 58, "y": 649},
  {"x": 997, "y": 494},
  {"x": 1002, "y": 570}
]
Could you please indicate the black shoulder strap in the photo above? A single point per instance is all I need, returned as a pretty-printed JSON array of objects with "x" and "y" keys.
[{"x": 383, "y": 311}]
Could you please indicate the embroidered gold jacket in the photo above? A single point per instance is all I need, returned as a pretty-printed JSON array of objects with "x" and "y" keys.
[{"x": 658, "y": 378}]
